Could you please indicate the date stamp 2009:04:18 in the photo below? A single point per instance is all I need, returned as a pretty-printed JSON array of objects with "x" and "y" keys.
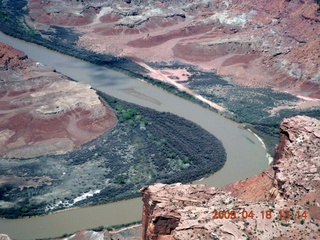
[{"x": 264, "y": 214}]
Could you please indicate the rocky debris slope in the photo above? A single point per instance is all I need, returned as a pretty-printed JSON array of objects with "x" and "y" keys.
[
  {"x": 44, "y": 112},
  {"x": 283, "y": 202},
  {"x": 257, "y": 43}
]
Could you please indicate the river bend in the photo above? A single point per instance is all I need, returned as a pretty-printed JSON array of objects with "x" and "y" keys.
[{"x": 245, "y": 154}]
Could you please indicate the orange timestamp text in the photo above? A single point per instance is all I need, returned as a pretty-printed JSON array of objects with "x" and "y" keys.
[{"x": 264, "y": 214}]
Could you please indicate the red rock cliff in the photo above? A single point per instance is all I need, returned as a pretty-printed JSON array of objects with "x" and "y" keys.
[{"x": 283, "y": 202}]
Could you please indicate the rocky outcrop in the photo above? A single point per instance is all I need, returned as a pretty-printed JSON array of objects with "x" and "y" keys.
[
  {"x": 283, "y": 202},
  {"x": 297, "y": 160},
  {"x": 44, "y": 112},
  {"x": 261, "y": 43}
]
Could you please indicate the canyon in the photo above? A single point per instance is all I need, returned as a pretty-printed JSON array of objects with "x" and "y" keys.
[
  {"x": 254, "y": 62},
  {"x": 226, "y": 55}
]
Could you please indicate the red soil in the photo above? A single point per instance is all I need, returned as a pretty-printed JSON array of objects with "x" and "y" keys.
[
  {"x": 240, "y": 59},
  {"x": 277, "y": 42},
  {"x": 45, "y": 116},
  {"x": 152, "y": 41},
  {"x": 105, "y": 31},
  {"x": 201, "y": 53},
  {"x": 109, "y": 18},
  {"x": 266, "y": 43}
]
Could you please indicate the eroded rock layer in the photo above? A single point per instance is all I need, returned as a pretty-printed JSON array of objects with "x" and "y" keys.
[
  {"x": 283, "y": 202},
  {"x": 259, "y": 43},
  {"x": 44, "y": 112}
]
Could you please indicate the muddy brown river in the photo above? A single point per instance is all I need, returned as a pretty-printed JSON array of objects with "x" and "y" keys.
[{"x": 246, "y": 155}]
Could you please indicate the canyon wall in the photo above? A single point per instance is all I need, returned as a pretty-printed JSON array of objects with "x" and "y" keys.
[
  {"x": 257, "y": 43},
  {"x": 282, "y": 202}
]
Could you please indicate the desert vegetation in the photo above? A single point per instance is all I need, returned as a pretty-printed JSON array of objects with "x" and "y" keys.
[
  {"x": 247, "y": 105},
  {"x": 145, "y": 147}
]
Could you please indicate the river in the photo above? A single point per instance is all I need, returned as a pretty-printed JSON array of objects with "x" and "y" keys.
[{"x": 245, "y": 154}]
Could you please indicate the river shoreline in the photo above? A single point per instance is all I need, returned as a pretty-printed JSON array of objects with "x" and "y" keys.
[
  {"x": 241, "y": 152},
  {"x": 183, "y": 139},
  {"x": 129, "y": 67}
]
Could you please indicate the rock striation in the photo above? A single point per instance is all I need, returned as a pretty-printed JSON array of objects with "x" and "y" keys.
[
  {"x": 44, "y": 112},
  {"x": 258, "y": 43},
  {"x": 283, "y": 202}
]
